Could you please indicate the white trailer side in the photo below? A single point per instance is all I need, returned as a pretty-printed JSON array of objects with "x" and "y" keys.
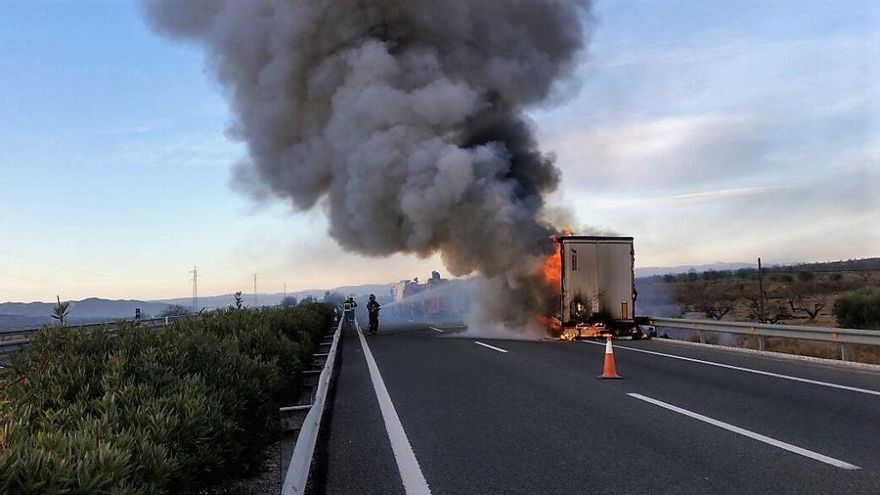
[{"x": 597, "y": 278}]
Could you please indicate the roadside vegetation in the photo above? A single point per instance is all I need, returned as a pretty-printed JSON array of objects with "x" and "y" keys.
[
  {"x": 838, "y": 294},
  {"x": 132, "y": 410},
  {"x": 859, "y": 309}
]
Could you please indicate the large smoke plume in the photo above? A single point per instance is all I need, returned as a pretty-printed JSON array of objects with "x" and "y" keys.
[{"x": 404, "y": 116}]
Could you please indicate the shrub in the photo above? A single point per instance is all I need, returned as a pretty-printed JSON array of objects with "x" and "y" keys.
[
  {"x": 129, "y": 410},
  {"x": 805, "y": 276},
  {"x": 859, "y": 309}
]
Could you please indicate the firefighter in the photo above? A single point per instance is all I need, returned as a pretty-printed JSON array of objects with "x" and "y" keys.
[
  {"x": 348, "y": 310},
  {"x": 373, "y": 308}
]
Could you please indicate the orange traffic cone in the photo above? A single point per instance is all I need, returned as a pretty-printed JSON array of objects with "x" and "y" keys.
[{"x": 610, "y": 371}]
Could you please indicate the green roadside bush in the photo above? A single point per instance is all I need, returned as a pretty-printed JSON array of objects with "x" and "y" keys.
[
  {"x": 130, "y": 410},
  {"x": 859, "y": 309}
]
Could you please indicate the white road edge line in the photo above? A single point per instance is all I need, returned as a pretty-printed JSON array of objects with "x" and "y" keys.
[
  {"x": 748, "y": 370},
  {"x": 436, "y": 329},
  {"x": 755, "y": 436},
  {"x": 410, "y": 473},
  {"x": 489, "y": 346}
]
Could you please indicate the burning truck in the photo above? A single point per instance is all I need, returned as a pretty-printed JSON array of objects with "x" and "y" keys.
[
  {"x": 596, "y": 281},
  {"x": 437, "y": 297}
]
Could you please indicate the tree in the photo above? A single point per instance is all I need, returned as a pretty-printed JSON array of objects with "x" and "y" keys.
[
  {"x": 288, "y": 302},
  {"x": 777, "y": 312},
  {"x": 805, "y": 276},
  {"x": 859, "y": 309},
  {"x": 713, "y": 275},
  {"x": 237, "y": 297},
  {"x": 175, "y": 310},
  {"x": 754, "y": 303},
  {"x": 781, "y": 277},
  {"x": 715, "y": 310},
  {"x": 798, "y": 304},
  {"x": 60, "y": 311},
  {"x": 760, "y": 307},
  {"x": 307, "y": 300}
]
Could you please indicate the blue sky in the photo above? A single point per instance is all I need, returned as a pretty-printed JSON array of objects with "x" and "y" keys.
[{"x": 707, "y": 130}]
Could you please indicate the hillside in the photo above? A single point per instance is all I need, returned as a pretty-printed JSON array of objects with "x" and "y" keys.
[
  {"x": 797, "y": 294},
  {"x": 93, "y": 309},
  {"x": 650, "y": 271},
  {"x": 273, "y": 299}
]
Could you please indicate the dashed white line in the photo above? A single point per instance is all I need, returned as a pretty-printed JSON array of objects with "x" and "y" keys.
[
  {"x": 755, "y": 436},
  {"x": 489, "y": 346},
  {"x": 410, "y": 472},
  {"x": 750, "y": 370},
  {"x": 436, "y": 329}
]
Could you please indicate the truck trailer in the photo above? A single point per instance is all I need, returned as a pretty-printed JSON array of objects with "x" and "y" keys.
[{"x": 597, "y": 293}]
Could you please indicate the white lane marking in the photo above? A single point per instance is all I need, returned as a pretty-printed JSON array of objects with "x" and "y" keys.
[
  {"x": 755, "y": 436},
  {"x": 749, "y": 370},
  {"x": 410, "y": 473},
  {"x": 436, "y": 329},
  {"x": 489, "y": 346}
]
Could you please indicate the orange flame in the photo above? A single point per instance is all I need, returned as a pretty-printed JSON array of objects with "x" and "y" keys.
[
  {"x": 552, "y": 271},
  {"x": 553, "y": 263}
]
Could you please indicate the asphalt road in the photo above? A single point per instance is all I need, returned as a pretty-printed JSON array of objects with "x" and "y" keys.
[{"x": 535, "y": 420}]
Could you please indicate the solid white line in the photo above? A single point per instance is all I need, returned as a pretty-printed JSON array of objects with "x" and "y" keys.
[
  {"x": 749, "y": 370},
  {"x": 436, "y": 329},
  {"x": 410, "y": 473},
  {"x": 489, "y": 346},
  {"x": 755, "y": 436}
]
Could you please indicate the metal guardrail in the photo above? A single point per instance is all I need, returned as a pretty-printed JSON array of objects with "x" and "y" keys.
[
  {"x": 297, "y": 475},
  {"x": 842, "y": 336},
  {"x": 13, "y": 341}
]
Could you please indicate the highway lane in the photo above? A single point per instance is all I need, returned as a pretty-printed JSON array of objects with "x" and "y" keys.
[
  {"x": 358, "y": 457},
  {"x": 535, "y": 419}
]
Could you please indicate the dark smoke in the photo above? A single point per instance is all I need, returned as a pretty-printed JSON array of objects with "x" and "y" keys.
[{"x": 405, "y": 116}]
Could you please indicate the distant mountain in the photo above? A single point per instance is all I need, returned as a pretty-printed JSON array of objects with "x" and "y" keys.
[
  {"x": 360, "y": 291},
  {"x": 92, "y": 307},
  {"x": 860, "y": 264},
  {"x": 224, "y": 300},
  {"x": 91, "y": 310},
  {"x": 273, "y": 299},
  {"x": 650, "y": 271}
]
